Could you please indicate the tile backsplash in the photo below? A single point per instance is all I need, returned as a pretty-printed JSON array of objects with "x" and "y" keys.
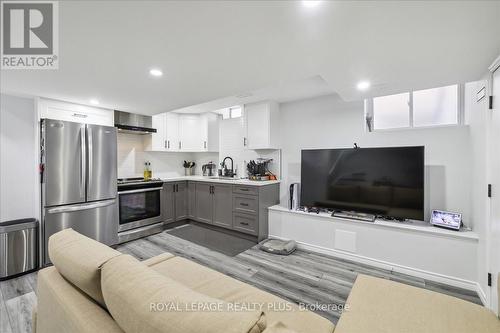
[{"x": 131, "y": 158}]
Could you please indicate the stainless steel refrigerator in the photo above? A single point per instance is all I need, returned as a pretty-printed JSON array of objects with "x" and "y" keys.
[{"x": 78, "y": 175}]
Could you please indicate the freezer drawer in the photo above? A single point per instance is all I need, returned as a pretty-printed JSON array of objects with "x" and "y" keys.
[{"x": 97, "y": 220}]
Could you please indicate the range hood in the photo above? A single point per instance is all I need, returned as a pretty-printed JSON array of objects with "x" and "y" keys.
[{"x": 133, "y": 123}]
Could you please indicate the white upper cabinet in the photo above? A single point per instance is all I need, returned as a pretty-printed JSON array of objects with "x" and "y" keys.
[
  {"x": 210, "y": 131},
  {"x": 59, "y": 110},
  {"x": 172, "y": 131},
  {"x": 158, "y": 139},
  {"x": 185, "y": 132},
  {"x": 190, "y": 132},
  {"x": 262, "y": 128}
]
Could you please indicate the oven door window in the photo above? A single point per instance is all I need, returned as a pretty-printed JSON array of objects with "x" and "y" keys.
[{"x": 139, "y": 206}]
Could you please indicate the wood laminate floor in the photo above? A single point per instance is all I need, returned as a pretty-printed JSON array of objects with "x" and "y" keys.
[{"x": 302, "y": 277}]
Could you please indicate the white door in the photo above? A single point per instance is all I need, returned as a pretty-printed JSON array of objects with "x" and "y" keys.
[
  {"x": 493, "y": 242},
  {"x": 258, "y": 125},
  {"x": 189, "y": 129},
  {"x": 158, "y": 142},
  {"x": 172, "y": 131}
]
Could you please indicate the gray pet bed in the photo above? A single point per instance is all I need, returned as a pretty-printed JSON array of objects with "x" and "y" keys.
[{"x": 277, "y": 246}]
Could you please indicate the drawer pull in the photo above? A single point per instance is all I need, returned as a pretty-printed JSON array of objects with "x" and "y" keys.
[
  {"x": 243, "y": 204},
  {"x": 244, "y": 189},
  {"x": 244, "y": 223}
]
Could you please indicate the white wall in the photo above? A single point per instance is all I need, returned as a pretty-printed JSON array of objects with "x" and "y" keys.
[
  {"x": 329, "y": 122},
  {"x": 18, "y": 158}
]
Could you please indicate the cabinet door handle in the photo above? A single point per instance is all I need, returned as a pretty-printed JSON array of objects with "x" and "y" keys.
[
  {"x": 165, "y": 143},
  {"x": 243, "y": 204},
  {"x": 180, "y": 145},
  {"x": 243, "y": 223},
  {"x": 80, "y": 115},
  {"x": 168, "y": 144},
  {"x": 205, "y": 144},
  {"x": 244, "y": 142}
]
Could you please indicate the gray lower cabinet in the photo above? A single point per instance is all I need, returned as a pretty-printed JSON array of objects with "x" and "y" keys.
[
  {"x": 176, "y": 201},
  {"x": 181, "y": 201},
  {"x": 191, "y": 189},
  {"x": 223, "y": 205},
  {"x": 169, "y": 202},
  {"x": 241, "y": 208},
  {"x": 204, "y": 202},
  {"x": 247, "y": 223}
]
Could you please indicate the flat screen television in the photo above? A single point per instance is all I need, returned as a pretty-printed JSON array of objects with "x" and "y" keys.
[{"x": 386, "y": 182}]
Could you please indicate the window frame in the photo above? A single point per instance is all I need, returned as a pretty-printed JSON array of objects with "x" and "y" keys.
[{"x": 369, "y": 112}]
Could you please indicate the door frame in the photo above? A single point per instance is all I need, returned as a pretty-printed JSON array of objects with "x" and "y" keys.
[{"x": 492, "y": 268}]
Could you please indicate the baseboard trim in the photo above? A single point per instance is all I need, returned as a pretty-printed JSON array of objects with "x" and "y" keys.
[
  {"x": 482, "y": 295},
  {"x": 432, "y": 276}
]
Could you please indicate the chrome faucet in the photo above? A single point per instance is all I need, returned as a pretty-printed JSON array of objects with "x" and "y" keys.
[{"x": 228, "y": 173}]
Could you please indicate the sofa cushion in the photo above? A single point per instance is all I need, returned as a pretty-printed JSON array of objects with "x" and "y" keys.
[
  {"x": 63, "y": 308},
  {"x": 377, "y": 305},
  {"x": 214, "y": 284},
  {"x": 78, "y": 259},
  {"x": 142, "y": 300}
]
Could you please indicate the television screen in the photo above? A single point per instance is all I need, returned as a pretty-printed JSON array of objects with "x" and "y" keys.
[{"x": 387, "y": 182}]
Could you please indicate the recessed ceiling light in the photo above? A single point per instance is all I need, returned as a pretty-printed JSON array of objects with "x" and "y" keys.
[
  {"x": 155, "y": 72},
  {"x": 363, "y": 85},
  {"x": 94, "y": 101},
  {"x": 310, "y": 3}
]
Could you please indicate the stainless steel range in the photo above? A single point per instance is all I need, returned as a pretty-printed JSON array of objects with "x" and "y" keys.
[{"x": 141, "y": 208}]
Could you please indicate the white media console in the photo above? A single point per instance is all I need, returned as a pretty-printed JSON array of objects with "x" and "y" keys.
[{"x": 418, "y": 249}]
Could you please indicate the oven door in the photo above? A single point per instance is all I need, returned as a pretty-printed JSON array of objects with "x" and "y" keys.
[{"x": 140, "y": 207}]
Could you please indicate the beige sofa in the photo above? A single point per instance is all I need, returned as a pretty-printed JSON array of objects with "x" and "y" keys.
[{"x": 93, "y": 288}]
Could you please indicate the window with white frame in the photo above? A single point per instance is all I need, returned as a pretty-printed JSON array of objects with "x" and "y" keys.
[
  {"x": 421, "y": 108},
  {"x": 232, "y": 112}
]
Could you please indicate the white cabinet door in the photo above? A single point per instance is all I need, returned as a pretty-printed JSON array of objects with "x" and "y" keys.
[
  {"x": 189, "y": 132},
  {"x": 172, "y": 131},
  {"x": 262, "y": 128},
  {"x": 203, "y": 119},
  {"x": 257, "y": 121},
  {"x": 158, "y": 139}
]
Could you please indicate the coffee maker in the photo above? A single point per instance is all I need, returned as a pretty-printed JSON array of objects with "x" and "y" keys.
[{"x": 209, "y": 169}]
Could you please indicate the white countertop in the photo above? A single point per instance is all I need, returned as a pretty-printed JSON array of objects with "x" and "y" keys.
[
  {"x": 419, "y": 226},
  {"x": 236, "y": 181}
]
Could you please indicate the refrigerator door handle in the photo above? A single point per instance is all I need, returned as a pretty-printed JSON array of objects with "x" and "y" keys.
[
  {"x": 90, "y": 157},
  {"x": 83, "y": 167},
  {"x": 79, "y": 207}
]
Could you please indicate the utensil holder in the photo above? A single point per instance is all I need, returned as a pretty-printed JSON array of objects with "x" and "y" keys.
[{"x": 188, "y": 171}]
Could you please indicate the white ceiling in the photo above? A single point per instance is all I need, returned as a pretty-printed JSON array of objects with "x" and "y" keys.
[{"x": 215, "y": 50}]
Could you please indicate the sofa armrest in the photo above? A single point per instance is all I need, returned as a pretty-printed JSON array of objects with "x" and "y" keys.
[{"x": 64, "y": 308}]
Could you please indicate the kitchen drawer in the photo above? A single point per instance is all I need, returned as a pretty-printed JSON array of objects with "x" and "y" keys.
[
  {"x": 250, "y": 190},
  {"x": 245, "y": 203},
  {"x": 246, "y": 223}
]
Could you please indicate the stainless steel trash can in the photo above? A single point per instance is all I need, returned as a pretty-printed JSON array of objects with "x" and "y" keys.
[{"x": 18, "y": 247}]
